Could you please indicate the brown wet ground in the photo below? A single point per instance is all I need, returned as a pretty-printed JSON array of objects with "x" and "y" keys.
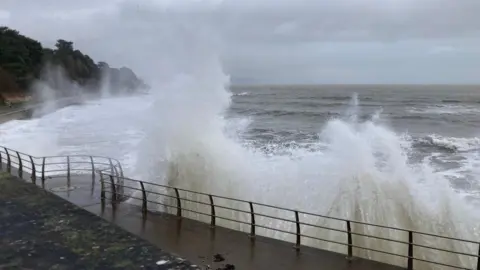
[{"x": 199, "y": 243}]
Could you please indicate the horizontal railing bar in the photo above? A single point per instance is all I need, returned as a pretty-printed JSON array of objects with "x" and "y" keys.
[
  {"x": 216, "y": 196},
  {"x": 221, "y": 217},
  {"x": 19, "y": 156},
  {"x": 313, "y": 237},
  {"x": 58, "y": 170},
  {"x": 77, "y": 156},
  {"x": 75, "y": 162},
  {"x": 127, "y": 196},
  {"x": 201, "y": 213},
  {"x": 439, "y": 263},
  {"x": 379, "y": 251},
  {"x": 354, "y": 233},
  {"x": 259, "y": 214},
  {"x": 446, "y": 250},
  {"x": 165, "y": 195},
  {"x": 64, "y": 170},
  {"x": 199, "y": 202},
  {"x": 64, "y": 156},
  {"x": 159, "y": 203},
  {"x": 307, "y": 236},
  {"x": 55, "y": 176},
  {"x": 307, "y": 213},
  {"x": 226, "y": 207}
]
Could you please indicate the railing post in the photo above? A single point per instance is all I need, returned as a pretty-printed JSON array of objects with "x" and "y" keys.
[
  {"x": 252, "y": 220},
  {"x": 34, "y": 171},
  {"x": 120, "y": 178},
  {"x": 93, "y": 170},
  {"x": 410, "y": 250},
  {"x": 102, "y": 186},
  {"x": 1, "y": 161},
  {"x": 112, "y": 172},
  {"x": 114, "y": 189},
  {"x": 298, "y": 241},
  {"x": 20, "y": 165},
  {"x": 120, "y": 168},
  {"x": 68, "y": 170},
  {"x": 212, "y": 207},
  {"x": 111, "y": 165},
  {"x": 43, "y": 172},
  {"x": 349, "y": 239},
  {"x": 179, "y": 203},
  {"x": 119, "y": 184},
  {"x": 9, "y": 161},
  {"x": 144, "y": 198}
]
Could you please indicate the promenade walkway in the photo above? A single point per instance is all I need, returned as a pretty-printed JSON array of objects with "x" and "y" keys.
[
  {"x": 39, "y": 230},
  {"x": 210, "y": 248}
]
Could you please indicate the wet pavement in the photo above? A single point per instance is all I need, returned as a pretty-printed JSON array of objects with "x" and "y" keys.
[
  {"x": 210, "y": 248},
  {"x": 39, "y": 230}
]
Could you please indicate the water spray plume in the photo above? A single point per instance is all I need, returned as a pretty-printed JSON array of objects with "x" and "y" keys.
[{"x": 179, "y": 135}]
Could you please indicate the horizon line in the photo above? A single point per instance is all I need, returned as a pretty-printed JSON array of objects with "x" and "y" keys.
[{"x": 354, "y": 84}]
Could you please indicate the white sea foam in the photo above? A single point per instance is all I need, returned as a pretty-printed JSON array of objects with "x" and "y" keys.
[{"x": 178, "y": 135}]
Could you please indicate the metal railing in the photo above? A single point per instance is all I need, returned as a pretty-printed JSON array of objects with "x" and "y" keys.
[
  {"x": 256, "y": 219},
  {"x": 48, "y": 167},
  {"x": 247, "y": 214}
]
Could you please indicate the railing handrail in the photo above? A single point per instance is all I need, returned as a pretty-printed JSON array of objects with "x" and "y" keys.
[
  {"x": 118, "y": 189},
  {"x": 300, "y": 212},
  {"x": 297, "y": 221},
  {"x": 59, "y": 156},
  {"x": 113, "y": 164}
]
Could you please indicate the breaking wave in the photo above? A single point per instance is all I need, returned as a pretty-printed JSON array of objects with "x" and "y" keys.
[
  {"x": 451, "y": 143},
  {"x": 178, "y": 135}
]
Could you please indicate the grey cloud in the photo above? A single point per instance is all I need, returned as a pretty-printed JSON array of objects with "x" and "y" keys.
[
  {"x": 273, "y": 40},
  {"x": 351, "y": 20}
]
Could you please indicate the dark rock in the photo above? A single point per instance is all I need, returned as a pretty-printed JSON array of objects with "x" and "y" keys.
[
  {"x": 227, "y": 267},
  {"x": 218, "y": 258}
]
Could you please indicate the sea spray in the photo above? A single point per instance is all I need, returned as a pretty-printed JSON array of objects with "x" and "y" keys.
[
  {"x": 178, "y": 135},
  {"x": 363, "y": 174}
]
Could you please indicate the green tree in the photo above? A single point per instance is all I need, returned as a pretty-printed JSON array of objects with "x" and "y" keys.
[{"x": 22, "y": 60}]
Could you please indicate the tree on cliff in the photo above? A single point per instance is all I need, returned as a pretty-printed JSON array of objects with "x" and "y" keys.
[
  {"x": 20, "y": 56},
  {"x": 23, "y": 60}
]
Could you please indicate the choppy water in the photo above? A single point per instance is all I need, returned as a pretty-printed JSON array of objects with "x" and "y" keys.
[
  {"x": 398, "y": 156},
  {"x": 386, "y": 155},
  {"x": 442, "y": 122}
]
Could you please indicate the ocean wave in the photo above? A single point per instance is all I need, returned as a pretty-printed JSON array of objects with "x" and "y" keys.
[
  {"x": 445, "y": 109},
  {"x": 241, "y": 94},
  {"x": 452, "y": 101},
  {"x": 450, "y": 143},
  {"x": 290, "y": 113}
]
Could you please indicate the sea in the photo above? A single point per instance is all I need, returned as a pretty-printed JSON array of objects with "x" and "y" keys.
[
  {"x": 393, "y": 155},
  {"x": 440, "y": 122}
]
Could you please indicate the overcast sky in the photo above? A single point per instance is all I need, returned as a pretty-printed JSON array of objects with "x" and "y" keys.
[{"x": 275, "y": 41}]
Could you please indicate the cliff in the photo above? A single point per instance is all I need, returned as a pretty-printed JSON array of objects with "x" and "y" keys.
[{"x": 24, "y": 61}]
